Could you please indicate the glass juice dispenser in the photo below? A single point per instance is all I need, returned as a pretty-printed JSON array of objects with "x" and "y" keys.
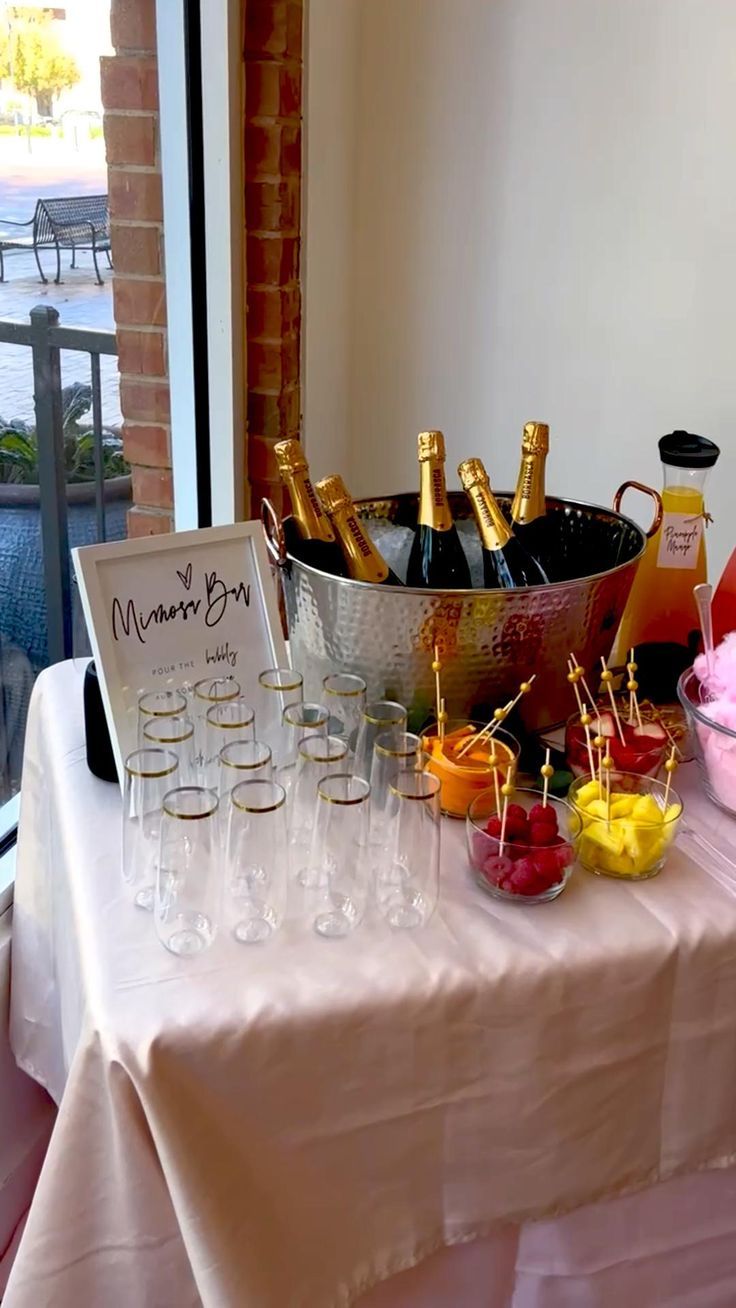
[{"x": 660, "y": 619}]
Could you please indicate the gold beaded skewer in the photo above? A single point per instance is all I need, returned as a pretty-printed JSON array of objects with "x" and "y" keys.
[
  {"x": 632, "y": 685},
  {"x": 437, "y": 668},
  {"x": 499, "y": 716},
  {"x": 599, "y": 741},
  {"x": 607, "y": 678},
  {"x": 574, "y": 678},
  {"x": 670, "y": 766},
  {"x": 506, "y": 790},
  {"x": 585, "y": 721},
  {"x": 547, "y": 771},
  {"x": 442, "y": 718},
  {"x": 607, "y": 763},
  {"x": 580, "y": 673}
]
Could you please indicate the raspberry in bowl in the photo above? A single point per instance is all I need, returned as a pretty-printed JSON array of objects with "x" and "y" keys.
[
  {"x": 540, "y": 841},
  {"x": 642, "y": 751}
]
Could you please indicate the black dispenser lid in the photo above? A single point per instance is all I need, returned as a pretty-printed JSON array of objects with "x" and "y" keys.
[{"x": 682, "y": 449}]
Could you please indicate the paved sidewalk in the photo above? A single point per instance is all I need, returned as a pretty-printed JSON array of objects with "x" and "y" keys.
[{"x": 52, "y": 170}]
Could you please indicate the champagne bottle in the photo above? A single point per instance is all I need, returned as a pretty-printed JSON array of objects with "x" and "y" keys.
[
  {"x": 505, "y": 561},
  {"x": 437, "y": 558},
  {"x": 361, "y": 558},
  {"x": 528, "y": 511},
  {"x": 309, "y": 536}
]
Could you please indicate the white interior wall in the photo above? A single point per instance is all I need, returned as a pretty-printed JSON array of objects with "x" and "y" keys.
[{"x": 521, "y": 209}]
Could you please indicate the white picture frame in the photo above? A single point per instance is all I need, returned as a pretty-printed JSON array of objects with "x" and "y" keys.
[{"x": 165, "y": 611}]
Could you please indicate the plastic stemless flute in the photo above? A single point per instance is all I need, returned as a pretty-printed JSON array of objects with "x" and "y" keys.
[
  {"x": 407, "y": 884},
  {"x": 318, "y": 757},
  {"x": 299, "y": 722},
  {"x": 381, "y": 716},
  {"x": 149, "y": 773},
  {"x": 232, "y": 720},
  {"x": 176, "y": 734},
  {"x": 206, "y": 693},
  {"x": 156, "y": 704},
  {"x": 344, "y": 694},
  {"x": 339, "y": 858},
  {"x": 393, "y": 752},
  {"x": 188, "y": 882},
  {"x": 277, "y": 688},
  {"x": 257, "y": 860},
  {"x": 243, "y": 760}
]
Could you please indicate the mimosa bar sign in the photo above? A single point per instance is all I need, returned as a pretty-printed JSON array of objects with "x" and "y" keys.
[{"x": 165, "y": 611}]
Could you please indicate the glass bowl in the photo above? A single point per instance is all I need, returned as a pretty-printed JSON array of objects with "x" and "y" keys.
[
  {"x": 715, "y": 745},
  {"x": 643, "y": 753},
  {"x": 535, "y": 864},
  {"x": 463, "y": 779},
  {"x": 633, "y": 844}
]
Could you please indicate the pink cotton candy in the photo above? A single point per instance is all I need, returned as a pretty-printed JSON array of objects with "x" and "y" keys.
[
  {"x": 721, "y": 685},
  {"x": 720, "y": 711}
]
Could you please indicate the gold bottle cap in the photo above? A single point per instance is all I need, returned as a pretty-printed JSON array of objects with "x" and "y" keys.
[
  {"x": 472, "y": 473},
  {"x": 290, "y": 456},
  {"x": 430, "y": 445},
  {"x": 536, "y": 438},
  {"x": 334, "y": 494}
]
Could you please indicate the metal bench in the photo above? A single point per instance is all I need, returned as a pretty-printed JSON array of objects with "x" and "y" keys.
[{"x": 77, "y": 222}]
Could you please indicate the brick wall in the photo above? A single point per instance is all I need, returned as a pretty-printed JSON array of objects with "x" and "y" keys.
[
  {"x": 272, "y": 132},
  {"x": 273, "y": 93},
  {"x": 130, "y": 99}
]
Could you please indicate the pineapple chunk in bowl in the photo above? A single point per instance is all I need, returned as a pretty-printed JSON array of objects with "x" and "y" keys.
[{"x": 632, "y": 840}]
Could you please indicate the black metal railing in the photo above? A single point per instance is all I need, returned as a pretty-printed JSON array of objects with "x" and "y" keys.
[{"x": 46, "y": 338}]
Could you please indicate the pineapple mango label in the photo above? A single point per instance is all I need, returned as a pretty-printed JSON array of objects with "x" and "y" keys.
[{"x": 679, "y": 540}]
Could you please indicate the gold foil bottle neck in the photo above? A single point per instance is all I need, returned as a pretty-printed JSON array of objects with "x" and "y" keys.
[
  {"x": 334, "y": 494},
  {"x": 472, "y": 473},
  {"x": 430, "y": 445},
  {"x": 290, "y": 456},
  {"x": 536, "y": 438},
  {"x": 363, "y": 560}
]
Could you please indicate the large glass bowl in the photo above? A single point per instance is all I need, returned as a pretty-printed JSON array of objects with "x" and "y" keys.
[
  {"x": 634, "y": 843},
  {"x": 534, "y": 865},
  {"x": 715, "y": 746}
]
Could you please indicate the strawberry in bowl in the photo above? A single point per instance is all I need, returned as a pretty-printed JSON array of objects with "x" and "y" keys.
[
  {"x": 642, "y": 751},
  {"x": 533, "y": 862}
]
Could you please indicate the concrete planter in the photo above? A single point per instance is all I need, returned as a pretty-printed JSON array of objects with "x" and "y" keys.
[{"x": 22, "y": 596}]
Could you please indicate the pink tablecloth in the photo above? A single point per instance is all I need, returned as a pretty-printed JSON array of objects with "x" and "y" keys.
[{"x": 289, "y": 1127}]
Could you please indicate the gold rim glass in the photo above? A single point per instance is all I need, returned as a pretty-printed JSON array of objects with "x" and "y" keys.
[
  {"x": 216, "y": 690},
  {"x": 258, "y": 796},
  {"x": 190, "y": 803},
  {"x": 280, "y": 679},
  {"x": 152, "y": 762}
]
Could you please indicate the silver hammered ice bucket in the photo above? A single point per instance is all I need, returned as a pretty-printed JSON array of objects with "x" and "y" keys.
[{"x": 489, "y": 640}]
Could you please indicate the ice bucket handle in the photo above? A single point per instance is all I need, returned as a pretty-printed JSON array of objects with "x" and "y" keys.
[
  {"x": 645, "y": 490},
  {"x": 273, "y": 531}
]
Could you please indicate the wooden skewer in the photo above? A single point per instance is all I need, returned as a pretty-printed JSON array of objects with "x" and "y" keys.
[
  {"x": 506, "y": 790},
  {"x": 585, "y": 721},
  {"x": 499, "y": 715},
  {"x": 608, "y": 764},
  {"x": 669, "y": 767},
  {"x": 442, "y": 718},
  {"x": 493, "y": 761},
  {"x": 547, "y": 772},
  {"x": 573, "y": 679},
  {"x": 607, "y": 678},
  {"x": 581, "y": 676},
  {"x": 599, "y": 742},
  {"x": 437, "y": 668},
  {"x": 632, "y": 686}
]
